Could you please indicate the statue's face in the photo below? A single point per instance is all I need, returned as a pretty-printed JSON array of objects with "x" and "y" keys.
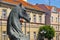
[{"x": 24, "y": 14}]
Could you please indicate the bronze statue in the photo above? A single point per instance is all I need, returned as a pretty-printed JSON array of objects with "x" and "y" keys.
[{"x": 13, "y": 23}]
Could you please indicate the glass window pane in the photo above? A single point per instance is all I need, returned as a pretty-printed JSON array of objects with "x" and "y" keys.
[
  {"x": 34, "y": 35},
  {"x": 34, "y": 17},
  {"x": 4, "y": 12},
  {"x": 40, "y": 19}
]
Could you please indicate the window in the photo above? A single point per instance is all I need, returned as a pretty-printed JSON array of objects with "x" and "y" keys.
[
  {"x": 29, "y": 15},
  {"x": 4, "y": 35},
  {"x": 54, "y": 10},
  {"x": 56, "y": 28},
  {"x": 4, "y": 12},
  {"x": 28, "y": 34},
  {"x": 59, "y": 19},
  {"x": 34, "y": 17},
  {"x": 52, "y": 18},
  {"x": 57, "y": 36},
  {"x": 0, "y": 22},
  {"x": 56, "y": 19},
  {"x": 34, "y": 35},
  {"x": 40, "y": 19}
]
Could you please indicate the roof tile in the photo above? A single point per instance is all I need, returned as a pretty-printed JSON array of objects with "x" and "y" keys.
[
  {"x": 44, "y": 7},
  {"x": 26, "y": 4},
  {"x": 58, "y": 9}
]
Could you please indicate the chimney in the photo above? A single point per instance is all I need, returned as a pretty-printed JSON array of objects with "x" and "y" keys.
[{"x": 37, "y": 4}]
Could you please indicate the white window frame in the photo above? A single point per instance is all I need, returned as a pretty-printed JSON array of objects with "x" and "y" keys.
[
  {"x": 40, "y": 19},
  {"x": 4, "y": 13},
  {"x": 34, "y": 18}
]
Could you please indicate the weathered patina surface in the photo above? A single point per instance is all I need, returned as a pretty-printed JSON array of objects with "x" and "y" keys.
[{"x": 13, "y": 23}]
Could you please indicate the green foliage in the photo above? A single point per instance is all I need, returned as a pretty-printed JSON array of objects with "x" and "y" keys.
[{"x": 50, "y": 32}]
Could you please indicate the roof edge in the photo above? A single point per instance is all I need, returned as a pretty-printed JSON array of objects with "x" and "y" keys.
[{"x": 11, "y": 4}]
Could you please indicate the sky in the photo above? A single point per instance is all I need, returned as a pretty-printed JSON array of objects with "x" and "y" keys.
[{"x": 46, "y": 2}]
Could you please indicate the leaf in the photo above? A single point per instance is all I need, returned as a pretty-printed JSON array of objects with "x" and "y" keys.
[{"x": 50, "y": 32}]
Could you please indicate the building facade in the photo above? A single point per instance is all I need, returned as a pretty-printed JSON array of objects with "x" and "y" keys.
[
  {"x": 53, "y": 18},
  {"x": 29, "y": 29},
  {"x": 40, "y": 15}
]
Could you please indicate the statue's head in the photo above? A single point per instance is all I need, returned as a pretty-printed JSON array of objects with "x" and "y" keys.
[{"x": 23, "y": 13}]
